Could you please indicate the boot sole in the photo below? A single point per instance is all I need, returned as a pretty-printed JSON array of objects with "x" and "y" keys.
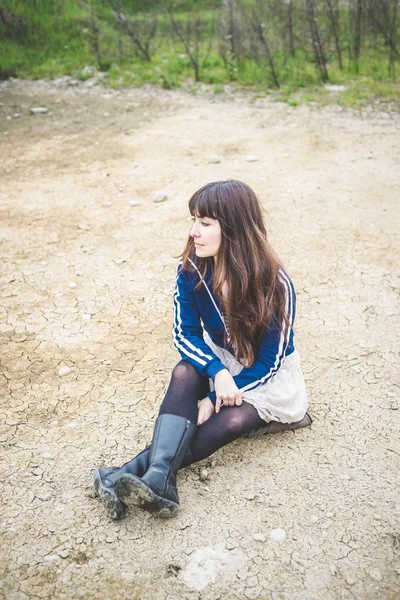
[
  {"x": 114, "y": 507},
  {"x": 133, "y": 491}
]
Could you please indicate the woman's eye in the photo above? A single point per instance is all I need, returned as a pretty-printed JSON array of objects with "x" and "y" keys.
[{"x": 205, "y": 224}]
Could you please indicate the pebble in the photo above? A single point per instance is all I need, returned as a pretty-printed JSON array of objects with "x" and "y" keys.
[
  {"x": 350, "y": 579},
  {"x": 39, "y": 110},
  {"x": 333, "y": 570},
  {"x": 314, "y": 519},
  {"x": 160, "y": 196},
  {"x": 72, "y": 284},
  {"x": 335, "y": 88},
  {"x": 127, "y": 576},
  {"x": 64, "y": 371},
  {"x": 279, "y": 535},
  {"x": 259, "y": 537},
  {"x": 133, "y": 203},
  {"x": 64, "y": 553},
  {"x": 51, "y": 558},
  {"x": 78, "y": 273},
  {"x": 251, "y": 158},
  {"x": 375, "y": 573},
  {"x": 86, "y": 316},
  {"x": 48, "y": 456},
  {"x": 107, "y": 203},
  {"x": 203, "y": 475},
  {"x": 120, "y": 260},
  {"x": 214, "y": 159},
  {"x": 250, "y": 496}
]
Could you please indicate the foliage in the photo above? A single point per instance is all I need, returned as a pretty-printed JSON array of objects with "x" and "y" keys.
[{"x": 290, "y": 45}]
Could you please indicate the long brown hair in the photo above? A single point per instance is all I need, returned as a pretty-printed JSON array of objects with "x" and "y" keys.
[{"x": 246, "y": 263}]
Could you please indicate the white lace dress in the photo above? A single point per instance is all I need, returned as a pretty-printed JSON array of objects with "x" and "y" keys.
[{"x": 283, "y": 398}]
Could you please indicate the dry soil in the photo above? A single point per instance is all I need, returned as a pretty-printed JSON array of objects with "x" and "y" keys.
[{"x": 87, "y": 281}]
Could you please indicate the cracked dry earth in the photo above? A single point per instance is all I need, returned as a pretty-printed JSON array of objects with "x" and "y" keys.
[{"x": 87, "y": 283}]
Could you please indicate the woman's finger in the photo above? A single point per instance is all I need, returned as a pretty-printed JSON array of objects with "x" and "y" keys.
[
  {"x": 239, "y": 400},
  {"x": 232, "y": 401}
]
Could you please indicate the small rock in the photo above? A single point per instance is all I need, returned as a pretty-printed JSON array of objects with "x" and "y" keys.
[
  {"x": 64, "y": 553},
  {"x": 329, "y": 515},
  {"x": 333, "y": 570},
  {"x": 106, "y": 114},
  {"x": 47, "y": 456},
  {"x": 39, "y": 110},
  {"x": 107, "y": 203},
  {"x": 350, "y": 579},
  {"x": 78, "y": 273},
  {"x": 16, "y": 115},
  {"x": 64, "y": 371},
  {"x": 251, "y": 158},
  {"x": 335, "y": 88},
  {"x": 72, "y": 284},
  {"x": 160, "y": 196},
  {"x": 279, "y": 535},
  {"x": 375, "y": 573},
  {"x": 106, "y": 362},
  {"x": 127, "y": 576},
  {"x": 133, "y": 203},
  {"x": 250, "y": 497},
  {"x": 86, "y": 316},
  {"x": 119, "y": 260},
  {"x": 51, "y": 558},
  {"x": 259, "y": 537},
  {"x": 203, "y": 475},
  {"x": 314, "y": 519},
  {"x": 214, "y": 159}
]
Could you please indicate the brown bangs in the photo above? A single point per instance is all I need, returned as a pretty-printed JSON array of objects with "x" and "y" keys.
[{"x": 204, "y": 203}]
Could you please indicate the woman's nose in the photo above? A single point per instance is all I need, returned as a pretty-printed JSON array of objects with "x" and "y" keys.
[{"x": 194, "y": 231}]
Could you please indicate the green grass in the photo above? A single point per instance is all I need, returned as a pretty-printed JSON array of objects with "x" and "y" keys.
[{"x": 60, "y": 42}]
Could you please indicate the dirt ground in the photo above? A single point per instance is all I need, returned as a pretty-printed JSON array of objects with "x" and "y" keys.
[{"x": 87, "y": 280}]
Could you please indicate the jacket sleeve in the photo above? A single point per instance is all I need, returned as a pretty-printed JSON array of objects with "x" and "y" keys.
[
  {"x": 188, "y": 331},
  {"x": 272, "y": 349}
]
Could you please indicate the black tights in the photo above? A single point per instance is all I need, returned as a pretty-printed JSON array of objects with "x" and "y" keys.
[{"x": 186, "y": 387}]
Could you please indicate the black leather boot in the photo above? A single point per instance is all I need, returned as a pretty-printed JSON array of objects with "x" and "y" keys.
[
  {"x": 156, "y": 490},
  {"x": 104, "y": 480}
]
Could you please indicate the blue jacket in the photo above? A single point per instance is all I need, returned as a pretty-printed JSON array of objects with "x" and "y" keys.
[{"x": 199, "y": 309}]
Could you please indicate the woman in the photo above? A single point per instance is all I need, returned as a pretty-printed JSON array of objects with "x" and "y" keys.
[{"x": 233, "y": 326}]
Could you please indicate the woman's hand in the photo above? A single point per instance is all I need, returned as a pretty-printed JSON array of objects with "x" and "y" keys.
[
  {"x": 206, "y": 410},
  {"x": 226, "y": 390}
]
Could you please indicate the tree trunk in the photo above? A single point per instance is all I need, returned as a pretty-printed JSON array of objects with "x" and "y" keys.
[
  {"x": 316, "y": 42},
  {"x": 334, "y": 19}
]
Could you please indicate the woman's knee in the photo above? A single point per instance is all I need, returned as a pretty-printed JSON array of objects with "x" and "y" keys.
[
  {"x": 234, "y": 423},
  {"x": 184, "y": 372}
]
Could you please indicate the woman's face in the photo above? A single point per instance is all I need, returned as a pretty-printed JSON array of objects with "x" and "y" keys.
[{"x": 206, "y": 233}]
